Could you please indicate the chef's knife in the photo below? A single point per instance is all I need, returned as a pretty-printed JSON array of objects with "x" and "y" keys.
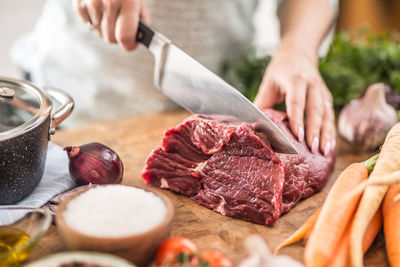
[{"x": 194, "y": 87}]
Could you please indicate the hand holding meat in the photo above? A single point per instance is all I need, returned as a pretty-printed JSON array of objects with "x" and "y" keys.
[
  {"x": 293, "y": 76},
  {"x": 293, "y": 73},
  {"x": 116, "y": 21}
]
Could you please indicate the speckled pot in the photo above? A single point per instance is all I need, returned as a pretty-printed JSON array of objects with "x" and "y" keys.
[
  {"x": 23, "y": 149},
  {"x": 22, "y": 160}
]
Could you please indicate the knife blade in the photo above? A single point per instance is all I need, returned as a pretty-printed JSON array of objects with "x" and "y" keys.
[{"x": 197, "y": 89}]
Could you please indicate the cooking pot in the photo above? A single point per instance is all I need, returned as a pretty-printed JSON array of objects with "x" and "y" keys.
[{"x": 27, "y": 119}]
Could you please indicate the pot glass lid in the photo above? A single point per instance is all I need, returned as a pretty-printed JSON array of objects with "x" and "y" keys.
[{"x": 19, "y": 103}]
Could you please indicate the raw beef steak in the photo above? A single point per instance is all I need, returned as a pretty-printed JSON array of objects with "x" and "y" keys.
[{"x": 229, "y": 167}]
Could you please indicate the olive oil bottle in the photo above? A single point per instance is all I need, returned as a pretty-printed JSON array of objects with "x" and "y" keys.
[{"x": 13, "y": 246}]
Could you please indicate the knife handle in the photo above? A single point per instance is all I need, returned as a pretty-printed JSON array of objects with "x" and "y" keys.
[{"x": 144, "y": 34}]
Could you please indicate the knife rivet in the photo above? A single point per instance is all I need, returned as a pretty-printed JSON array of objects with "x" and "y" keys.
[{"x": 7, "y": 92}]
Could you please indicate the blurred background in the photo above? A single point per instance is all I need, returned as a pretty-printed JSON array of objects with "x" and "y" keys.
[
  {"x": 17, "y": 17},
  {"x": 378, "y": 15}
]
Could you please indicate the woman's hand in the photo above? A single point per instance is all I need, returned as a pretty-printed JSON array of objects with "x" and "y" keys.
[
  {"x": 116, "y": 21},
  {"x": 293, "y": 76}
]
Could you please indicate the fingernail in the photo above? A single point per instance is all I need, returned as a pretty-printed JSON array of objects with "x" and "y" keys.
[
  {"x": 315, "y": 145},
  {"x": 327, "y": 149},
  {"x": 300, "y": 134},
  {"x": 333, "y": 145}
]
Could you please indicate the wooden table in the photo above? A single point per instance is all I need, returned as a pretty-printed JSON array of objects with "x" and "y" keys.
[{"x": 133, "y": 138}]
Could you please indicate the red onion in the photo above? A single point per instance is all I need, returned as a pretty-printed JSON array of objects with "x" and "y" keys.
[{"x": 94, "y": 163}]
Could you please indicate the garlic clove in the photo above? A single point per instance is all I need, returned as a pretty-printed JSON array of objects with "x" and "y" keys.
[{"x": 366, "y": 121}]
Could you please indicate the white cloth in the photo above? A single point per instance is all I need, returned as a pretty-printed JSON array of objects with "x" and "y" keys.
[{"x": 56, "y": 179}]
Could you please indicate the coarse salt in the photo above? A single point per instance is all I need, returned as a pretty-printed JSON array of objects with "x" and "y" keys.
[{"x": 114, "y": 211}]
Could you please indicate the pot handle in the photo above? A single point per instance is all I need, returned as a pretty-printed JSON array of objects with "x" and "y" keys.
[{"x": 65, "y": 109}]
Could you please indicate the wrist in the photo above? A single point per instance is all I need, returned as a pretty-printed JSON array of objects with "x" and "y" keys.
[{"x": 295, "y": 43}]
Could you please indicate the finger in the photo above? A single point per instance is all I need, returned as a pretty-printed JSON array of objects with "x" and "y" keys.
[
  {"x": 80, "y": 7},
  {"x": 111, "y": 9},
  {"x": 314, "y": 112},
  {"x": 328, "y": 133},
  {"x": 95, "y": 10},
  {"x": 295, "y": 103},
  {"x": 144, "y": 13},
  {"x": 268, "y": 94},
  {"x": 126, "y": 25}
]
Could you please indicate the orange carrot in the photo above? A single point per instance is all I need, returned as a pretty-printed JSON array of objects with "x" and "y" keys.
[
  {"x": 342, "y": 255},
  {"x": 372, "y": 230},
  {"x": 388, "y": 179},
  {"x": 302, "y": 232},
  {"x": 391, "y": 217},
  {"x": 387, "y": 163},
  {"x": 335, "y": 215}
]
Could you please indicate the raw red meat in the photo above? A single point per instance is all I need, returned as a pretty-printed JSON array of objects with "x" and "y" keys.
[{"x": 227, "y": 166}]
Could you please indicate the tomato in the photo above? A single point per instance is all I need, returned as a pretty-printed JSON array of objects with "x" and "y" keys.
[
  {"x": 214, "y": 258},
  {"x": 174, "y": 250}
]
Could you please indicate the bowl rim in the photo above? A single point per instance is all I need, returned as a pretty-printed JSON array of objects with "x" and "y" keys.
[{"x": 60, "y": 221}]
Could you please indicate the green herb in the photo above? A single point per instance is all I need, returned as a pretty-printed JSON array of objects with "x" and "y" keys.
[
  {"x": 246, "y": 73},
  {"x": 370, "y": 163},
  {"x": 183, "y": 257},
  {"x": 203, "y": 264},
  {"x": 354, "y": 61}
]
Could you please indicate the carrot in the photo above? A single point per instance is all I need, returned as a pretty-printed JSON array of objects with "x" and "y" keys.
[
  {"x": 372, "y": 230},
  {"x": 387, "y": 163},
  {"x": 341, "y": 258},
  {"x": 302, "y": 232},
  {"x": 342, "y": 255},
  {"x": 392, "y": 178},
  {"x": 391, "y": 217},
  {"x": 335, "y": 215}
]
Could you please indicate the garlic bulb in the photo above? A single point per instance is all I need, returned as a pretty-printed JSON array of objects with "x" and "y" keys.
[
  {"x": 260, "y": 255},
  {"x": 366, "y": 121}
]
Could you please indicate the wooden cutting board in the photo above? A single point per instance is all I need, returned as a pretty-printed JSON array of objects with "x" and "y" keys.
[{"x": 133, "y": 138}]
